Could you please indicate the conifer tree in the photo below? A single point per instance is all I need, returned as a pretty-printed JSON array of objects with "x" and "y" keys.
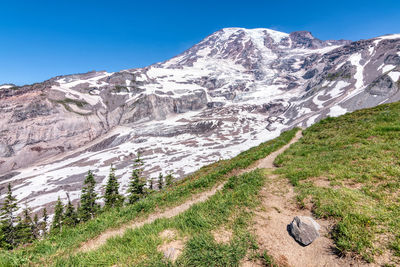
[
  {"x": 43, "y": 223},
  {"x": 150, "y": 188},
  {"x": 78, "y": 208},
  {"x": 137, "y": 183},
  {"x": 3, "y": 243},
  {"x": 169, "y": 180},
  {"x": 58, "y": 216},
  {"x": 9, "y": 219},
  {"x": 27, "y": 216},
  {"x": 151, "y": 184},
  {"x": 36, "y": 227},
  {"x": 88, "y": 206},
  {"x": 70, "y": 216},
  {"x": 25, "y": 227},
  {"x": 112, "y": 198},
  {"x": 160, "y": 181}
]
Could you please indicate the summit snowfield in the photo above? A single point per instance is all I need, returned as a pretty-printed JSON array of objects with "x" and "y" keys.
[{"x": 233, "y": 90}]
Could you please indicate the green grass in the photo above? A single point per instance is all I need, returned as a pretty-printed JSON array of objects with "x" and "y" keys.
[
  {"x": 337, "y": 75},
  {"x": 231, "y": 206},
  {"x": 67, "y": 101},
  {"x": 72, "y": 101},
  {"x": 60, "y": 245},
  {"x": 350, "y": 169}
]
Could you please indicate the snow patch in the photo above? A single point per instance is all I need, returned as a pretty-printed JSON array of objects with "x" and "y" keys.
[
  {"x": 318, "y": 102},
  {"x": 6, "y": 86},
  {"x": 340, "y": 65},
  {"x": 256, "y": 34},
  {"x": 394, "y": 75},
  {"x": 355, "y": 60},
  {"x": 371, "y": 50},
  {"x": 386, "y": 37},
  {"x": 387, "y": 68},
  {"x": 337, "y": 90},
  {"x": 336, "y": 111},
  {"x": 311, "y": 120}
]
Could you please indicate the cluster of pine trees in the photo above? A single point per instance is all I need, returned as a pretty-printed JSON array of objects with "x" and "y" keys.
[{"x": 16, "y": 230}]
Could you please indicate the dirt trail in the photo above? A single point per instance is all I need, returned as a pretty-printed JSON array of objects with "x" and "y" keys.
[
  {"x": 270, "y": 226},
  {"x": 268, "y": 162},
  {"x": 101, "y": 239},
  {"x": 201, "y": 197}
]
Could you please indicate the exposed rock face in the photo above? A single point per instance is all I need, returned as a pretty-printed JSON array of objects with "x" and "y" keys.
[
  {"x": 304, "y": 229},
  {"x": 233, "y": 90}
]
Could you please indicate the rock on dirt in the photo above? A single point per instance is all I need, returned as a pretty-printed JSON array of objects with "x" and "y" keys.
[{"x": 304, "y": 229}]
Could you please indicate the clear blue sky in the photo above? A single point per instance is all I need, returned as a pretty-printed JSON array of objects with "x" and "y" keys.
[{"x": 42, "y": 39}]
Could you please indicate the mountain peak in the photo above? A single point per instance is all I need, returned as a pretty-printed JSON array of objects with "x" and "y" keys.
[
  {"x": 302, "y": 34},
  {"x": 277, "y": 36}
]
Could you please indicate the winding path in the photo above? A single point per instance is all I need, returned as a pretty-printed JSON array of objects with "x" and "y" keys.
[{"x": 97, "y": 242}]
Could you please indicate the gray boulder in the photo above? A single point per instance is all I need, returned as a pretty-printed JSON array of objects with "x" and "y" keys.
[{"x": 304, "y": 229}]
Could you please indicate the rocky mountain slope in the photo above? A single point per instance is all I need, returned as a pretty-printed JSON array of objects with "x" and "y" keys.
[{"x": 233, "y": 90}]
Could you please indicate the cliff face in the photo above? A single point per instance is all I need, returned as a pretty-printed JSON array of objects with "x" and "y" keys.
[{"x": 233, "y": 90}]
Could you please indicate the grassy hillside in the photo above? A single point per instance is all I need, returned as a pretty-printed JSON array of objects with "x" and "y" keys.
[
  {"x": 229, "y": 207},
  {"x": 348, "y": 169},
  {"x": 58, "y": 247}
]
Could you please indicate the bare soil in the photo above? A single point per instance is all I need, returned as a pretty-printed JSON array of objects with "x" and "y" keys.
[
  {"x": 172, "y": 246},
  {"x": 222, "y": 235}
]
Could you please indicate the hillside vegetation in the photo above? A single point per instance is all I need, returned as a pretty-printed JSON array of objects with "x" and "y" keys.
[
  {"x": 57, "y": 247},
  {"x": 348, "y": 169}
]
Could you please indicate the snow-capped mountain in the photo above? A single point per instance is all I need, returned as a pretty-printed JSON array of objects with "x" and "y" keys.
[{"x": 233, "y": 90}]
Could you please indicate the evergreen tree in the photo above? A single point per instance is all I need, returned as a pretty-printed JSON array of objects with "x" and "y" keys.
[
  {"x": 3, "y": 242},
  {"x": 160, "y": 181},
  {"x": 112, "y": 198},
  {"x": 58, "y": 216},
  {"x": 43, "y": 223},
  {"x": 89, "y": 207},
  {"x": 137, "y": 183},
  {"x": 169, "y": 180},
  {"x": 36, "y": 227},
  {"x": 25, "y": 227},
  {"x": 78, "y": 208},
  {"x": 70, "y": 215},
  {"x": 150, "y": 188},
  {"x": 9, "y": 219}
]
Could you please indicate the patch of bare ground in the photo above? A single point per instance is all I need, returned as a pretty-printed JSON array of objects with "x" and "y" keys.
[
  {"x": 172, "y": 246},
  {"x": 222, "y": 235},
  {"x": 251, "y": 263},
  {"x": 270, "y": 227},
  {"x": 326, "y": 183}
]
